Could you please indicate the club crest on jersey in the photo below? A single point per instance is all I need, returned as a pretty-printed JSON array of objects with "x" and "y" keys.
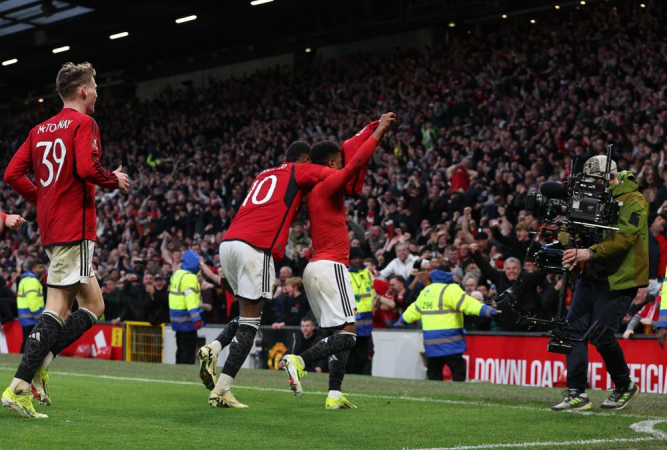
[{"x": 94, "y": 143}]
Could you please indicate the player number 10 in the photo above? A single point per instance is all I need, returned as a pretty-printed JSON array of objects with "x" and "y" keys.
[
  {"x": 257, "y": 187},
  {"x": 57, "y": 158}
]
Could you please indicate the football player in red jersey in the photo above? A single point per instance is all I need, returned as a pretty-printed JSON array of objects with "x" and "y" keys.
[
  {"x": 64, "y": 153},
  {"x": 326, "y": 278},
  {"x": 256, "y": 237}
]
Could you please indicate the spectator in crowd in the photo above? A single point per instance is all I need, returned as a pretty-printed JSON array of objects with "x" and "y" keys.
[
  {"x": 648, "y": 316},
  {"x": 401, "y": 265},
  {"x": 657, "y": 246},
  {"x": 308, "y": 337},
  {"x": 157, "y": 309},
  {"x": 524, "y": 285},
  {"x": 293, "y": 304}
]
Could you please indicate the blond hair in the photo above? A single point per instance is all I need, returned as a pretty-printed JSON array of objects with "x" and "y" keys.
[
  {"x": 72, "y": 76},
  {"x": 295, "y": 282}
]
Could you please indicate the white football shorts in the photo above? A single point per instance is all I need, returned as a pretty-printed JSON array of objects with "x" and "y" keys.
[
  {"x": 70, "y": 264},
  {"x": 330, "y": 293},
  {"x": 250, "y": 272}
]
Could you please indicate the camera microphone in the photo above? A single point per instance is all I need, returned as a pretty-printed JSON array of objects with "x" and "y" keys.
[{"x": 553, "y": 189}]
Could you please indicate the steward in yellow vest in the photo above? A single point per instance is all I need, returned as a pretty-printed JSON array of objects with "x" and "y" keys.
[
  {"x": 440, "y": 307},
  {"x": 360, "y": 360},
  {"x": 30, "y": 298},
  {"x": 185, "y": 307}
]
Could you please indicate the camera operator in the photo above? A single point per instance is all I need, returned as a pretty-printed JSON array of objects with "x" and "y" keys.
[{"x": 616, "y": 268}]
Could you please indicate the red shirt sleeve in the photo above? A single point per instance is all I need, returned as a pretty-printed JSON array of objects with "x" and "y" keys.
[
  {"x": 308, "y": 175},
  {"x": 15, "y": 175},
  {"x": 335, "y": 183},
  {"x": 87, "y": 146},
  {"x": 349, "y": 148}
]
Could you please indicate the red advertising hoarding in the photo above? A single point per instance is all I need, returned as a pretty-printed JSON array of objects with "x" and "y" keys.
[
  {"x": 525, "y": 361},
  {"x": 101, "y": 335}
]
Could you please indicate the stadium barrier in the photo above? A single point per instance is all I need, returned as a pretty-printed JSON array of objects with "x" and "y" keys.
[{"x": 501, "y": 358}]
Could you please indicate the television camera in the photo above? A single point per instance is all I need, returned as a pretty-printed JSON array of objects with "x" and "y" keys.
[{"x": 581, "y": 212}]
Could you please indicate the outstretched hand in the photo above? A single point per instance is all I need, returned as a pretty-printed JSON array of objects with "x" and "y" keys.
[{"x": 123, "y": 179}]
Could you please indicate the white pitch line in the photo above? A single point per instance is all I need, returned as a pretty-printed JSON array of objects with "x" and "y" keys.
[
  {"x": 640, "y": 427},
  {"x": 545, "y": 444},
  {"x": 355, "y": 395}
]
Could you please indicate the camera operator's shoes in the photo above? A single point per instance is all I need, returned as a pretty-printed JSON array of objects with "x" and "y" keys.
[
  {"x": 620, "y": 398},
  {"x": 575, "y": 400}
]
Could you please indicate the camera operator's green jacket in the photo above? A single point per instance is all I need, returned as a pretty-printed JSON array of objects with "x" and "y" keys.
[{"x": 625, "y": 252}]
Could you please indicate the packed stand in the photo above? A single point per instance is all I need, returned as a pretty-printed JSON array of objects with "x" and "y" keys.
[{"x": 482, "y": 122}]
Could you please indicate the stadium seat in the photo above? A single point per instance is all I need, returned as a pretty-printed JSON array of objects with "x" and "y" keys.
[{"x": 83, "y": 351}]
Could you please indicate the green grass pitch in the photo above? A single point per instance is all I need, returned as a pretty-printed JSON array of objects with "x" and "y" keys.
[{"x": 107, "y": 404}]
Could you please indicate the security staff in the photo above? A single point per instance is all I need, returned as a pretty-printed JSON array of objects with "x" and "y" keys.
[
  {"x": 614, "y": 270},
  {"x": 360, "y": 360},
  {"x": 30, "y": 299},
  {"x": 185, "y": 307},
  {"x": 441, "y": 306}
]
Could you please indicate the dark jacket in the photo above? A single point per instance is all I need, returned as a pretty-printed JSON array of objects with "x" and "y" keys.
[{"x": 524, "y": 288}]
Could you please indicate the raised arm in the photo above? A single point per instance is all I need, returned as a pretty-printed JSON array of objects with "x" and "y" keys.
[{"x": 339, "y": 180}]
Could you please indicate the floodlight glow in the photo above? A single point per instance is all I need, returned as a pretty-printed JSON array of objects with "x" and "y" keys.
[
  {"x": 61, "y": 49},
  {"x": 186, "y": 19},
  {"x": 119, "y": 35}
]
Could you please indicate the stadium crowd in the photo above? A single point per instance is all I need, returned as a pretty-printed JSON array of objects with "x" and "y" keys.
[{"x": 481, "y": 122}]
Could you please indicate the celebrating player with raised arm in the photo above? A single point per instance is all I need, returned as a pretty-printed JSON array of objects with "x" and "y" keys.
[
  {"x": 64, "y": 153},
  {"x": 326, "y": 278},
  {"x": 257, "y": 235}
]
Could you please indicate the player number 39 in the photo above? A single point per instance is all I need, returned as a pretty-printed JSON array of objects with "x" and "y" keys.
[
  {"x": 59, "y": 152},
  {"x": 256, "y": 188}
]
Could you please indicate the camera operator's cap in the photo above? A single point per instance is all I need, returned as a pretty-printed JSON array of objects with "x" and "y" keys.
[{"x": 597, "y": 165}]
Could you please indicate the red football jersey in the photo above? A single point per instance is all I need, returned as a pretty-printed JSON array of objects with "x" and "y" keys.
[
  {"x": 326, "y": 209},
  {"x": 266, "y": 214},
  {"x": 64, "y": 152},
  {"x": 350, "y": 148}
]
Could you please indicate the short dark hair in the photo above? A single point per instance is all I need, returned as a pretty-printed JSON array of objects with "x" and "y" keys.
[
  {"x": 296, "y": 150},
  {"x": 398, "y": 278},
  {"x": 32, "y": 263},
  {"x": 323, "y": 151}
]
